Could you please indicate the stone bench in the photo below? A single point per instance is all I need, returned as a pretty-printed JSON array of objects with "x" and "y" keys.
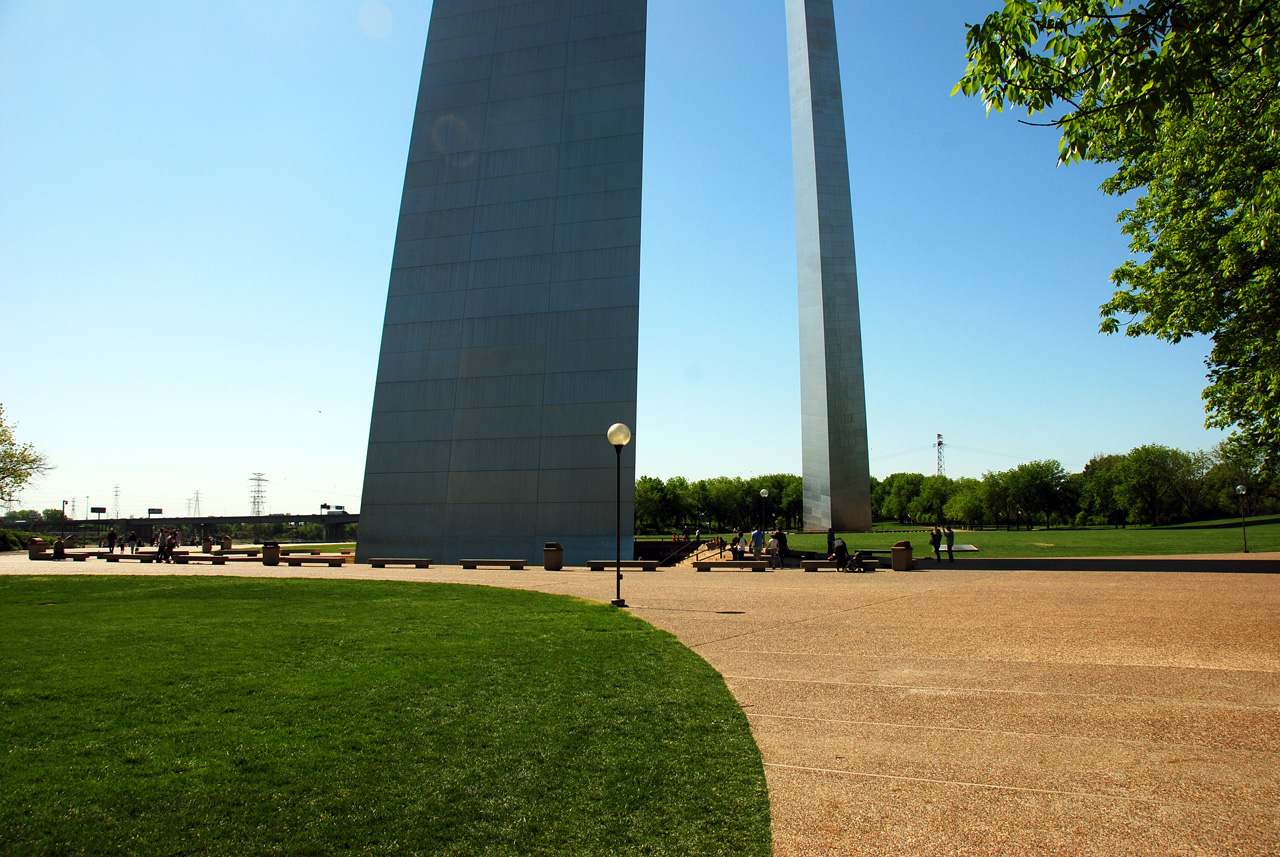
[
  {"x": 736, "y": 565},
  {"x": 300, "y": 551},
  {"x": 513, "y": 564},
  {"x": 868, "y": 564},
  {"x": 184, "y": 559},
  {"x": 332, "y": 560},
  {"x": 607, "y": 564},
  {"x": 136, "y": 557},
  {"x": 240, "y": 552},
  {"x": 383, "y": 562}
]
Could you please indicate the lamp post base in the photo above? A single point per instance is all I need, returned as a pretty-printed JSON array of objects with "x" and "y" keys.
[{"x": 618, "y": 602}]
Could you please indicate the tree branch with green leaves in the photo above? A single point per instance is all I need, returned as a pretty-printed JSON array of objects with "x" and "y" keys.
[
  {"x": 1181, "y": 96},
  {"x": 19, "y": 463}
]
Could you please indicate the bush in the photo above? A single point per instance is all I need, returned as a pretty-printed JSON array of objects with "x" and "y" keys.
[{"x": 11, "y": 540}]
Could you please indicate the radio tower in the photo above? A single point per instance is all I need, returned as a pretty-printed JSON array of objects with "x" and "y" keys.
[
  {"x": 258, "y": 495},
  {"x": 115, "y": 502},
  {"x": 942, "y": 466}
]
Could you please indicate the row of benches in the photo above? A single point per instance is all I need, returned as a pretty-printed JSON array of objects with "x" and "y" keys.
[{"x": 514, "y": 564}]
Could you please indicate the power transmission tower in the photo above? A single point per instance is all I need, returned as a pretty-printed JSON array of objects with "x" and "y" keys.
[
  {"x": 258, "y": 495},
  {"x": 195, "y": 508},
  {"x": 942, "y": 465},
  {"x": 115, "y": 502}
]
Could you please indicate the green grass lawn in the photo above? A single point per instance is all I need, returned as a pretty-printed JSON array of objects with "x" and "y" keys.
[
  {"x": 1101, "y": 541},
  {"x": 214, "y": 716}
]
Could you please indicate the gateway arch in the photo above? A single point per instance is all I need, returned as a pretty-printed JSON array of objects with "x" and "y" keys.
[{"x": 509, "y": 343}]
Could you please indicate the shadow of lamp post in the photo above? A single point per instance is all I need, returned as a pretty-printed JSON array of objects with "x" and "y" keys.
[
  {"x": 1241, "y": 494},
  {"x": 619, "y": 435}
]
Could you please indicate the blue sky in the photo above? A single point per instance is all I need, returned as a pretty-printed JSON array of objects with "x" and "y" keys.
[{"x": 198, "y": 205}]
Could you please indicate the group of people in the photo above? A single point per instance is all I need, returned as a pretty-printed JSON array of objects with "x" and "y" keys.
[
  {"x": 935, "y": 541},
  {"x": 755, "y": 543},
  {"x": 164, "y": 542},
  {"x": 838, "y": 552}
]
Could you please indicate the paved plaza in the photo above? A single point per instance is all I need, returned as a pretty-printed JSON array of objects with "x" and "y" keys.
[{"x": 969, "y": 712}]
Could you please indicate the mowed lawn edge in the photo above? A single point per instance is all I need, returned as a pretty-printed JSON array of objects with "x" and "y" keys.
[
  {"x": 1067, "y": 542},
  {"x": 216, "y": 715}
]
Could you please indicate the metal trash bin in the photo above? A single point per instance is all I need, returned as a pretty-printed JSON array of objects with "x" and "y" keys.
[
  {"x": 552, "y": 556},
  {"x": 270, "y": 553},
  {"x": 901, "y": 557}
]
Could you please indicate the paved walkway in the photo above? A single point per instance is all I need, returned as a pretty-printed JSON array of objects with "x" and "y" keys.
[{"x": 959, "y": 712}]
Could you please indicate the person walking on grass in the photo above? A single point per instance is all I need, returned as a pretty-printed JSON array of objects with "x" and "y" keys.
[
  {"x": 951, "y": 540},
  {"x": 935, "y": 542}
]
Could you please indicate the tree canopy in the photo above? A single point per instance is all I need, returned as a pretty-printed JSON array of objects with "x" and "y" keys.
[
  {"x": 1183, "y": 97},
  {"x": 19, "y": 463}
]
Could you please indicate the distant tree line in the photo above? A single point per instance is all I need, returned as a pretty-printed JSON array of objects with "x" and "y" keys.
[
  {"x": 721, "y": 504},
  {"x": 1151, "y": 485}
]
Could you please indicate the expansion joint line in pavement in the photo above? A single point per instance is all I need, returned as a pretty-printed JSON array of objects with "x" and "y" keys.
[
  {"x": 933, "y": 688},
  {"x": 992, "y": 786},
  {"x": 831, "y": 613},
  {"x": 1007, "y": 733}
]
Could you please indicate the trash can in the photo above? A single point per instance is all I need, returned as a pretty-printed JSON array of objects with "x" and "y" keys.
[
  {"x": 552, "y": 556},
  {"x": 901, "y": 557},
  {"x": 270, "y": 553},
  {"x": 206, "y": 545},
  {"x": 35, "y": 548},
  {"x": 226, "y": 543}
]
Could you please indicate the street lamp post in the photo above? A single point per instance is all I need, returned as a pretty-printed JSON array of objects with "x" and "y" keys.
[
  {"x": 1241, "y": 493},
  {"x": 764, "y": 495},
  {"x": 619, "y": 436}
]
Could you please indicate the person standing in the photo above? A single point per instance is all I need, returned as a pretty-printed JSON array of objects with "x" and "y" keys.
[
  {"x": 775, "y": 552},
  {"x": 951, "y": 540},
  {"x": 111, "y": 541},
  {"x": 935, "y": 542},
  {"x": 831, "y": 541},
  {"x": 757, "y": 543}
]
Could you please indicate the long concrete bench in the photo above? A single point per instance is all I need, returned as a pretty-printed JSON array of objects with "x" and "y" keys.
[
  {"x": 736, "y": 565},
  {"x": 383, "y": 562},
  {"x": 240, "y": 552},
  {"x": 136, "y": 557},
  {"x": 868, "y": 564},
  {"x": 332, "y": 560},
  {"x": 607, "y": 564},
  {"x": 300, "y": 551},
  {"x": 514, "y": 564}
]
